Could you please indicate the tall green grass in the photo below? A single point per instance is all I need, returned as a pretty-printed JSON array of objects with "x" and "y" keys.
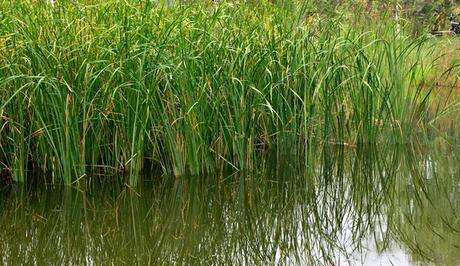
[{"x": 98, "y": 88}]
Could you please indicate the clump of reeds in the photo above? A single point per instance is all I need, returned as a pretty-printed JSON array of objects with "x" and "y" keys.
[{"x": 103, "y": 87}]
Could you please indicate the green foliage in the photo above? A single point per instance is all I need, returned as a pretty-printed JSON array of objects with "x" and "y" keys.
[{"x": 98, "y": 88}]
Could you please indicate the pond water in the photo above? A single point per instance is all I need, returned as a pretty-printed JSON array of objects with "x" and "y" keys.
[{"x": 362, "y": 205}]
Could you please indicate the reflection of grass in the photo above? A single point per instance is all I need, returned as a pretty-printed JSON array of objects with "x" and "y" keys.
[
  {"x": 277, "y": 218},
  {"x": 425, "y": 216},
  {"x": 281, "y": 215},
  {"x": 432, "y": 230},
  {"x": 111, "y": 86}
]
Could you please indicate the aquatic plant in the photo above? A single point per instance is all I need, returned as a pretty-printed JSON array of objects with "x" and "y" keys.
[{"x": 99, "y": 88}]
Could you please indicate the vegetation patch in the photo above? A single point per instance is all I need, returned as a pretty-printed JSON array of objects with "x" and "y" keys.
[{"x": 98, "y": 88}]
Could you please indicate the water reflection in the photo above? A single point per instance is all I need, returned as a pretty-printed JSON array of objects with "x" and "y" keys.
[{"x": 365, "y": 205}]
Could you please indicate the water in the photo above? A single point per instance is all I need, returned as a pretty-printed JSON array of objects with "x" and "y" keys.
[{"x": 364, "y": 205}]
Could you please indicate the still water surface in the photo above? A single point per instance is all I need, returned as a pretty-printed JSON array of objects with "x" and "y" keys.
[{"x": 364, "y": 205}]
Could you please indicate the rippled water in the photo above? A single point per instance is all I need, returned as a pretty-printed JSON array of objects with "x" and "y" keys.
[{"x": 364, "y": 205}]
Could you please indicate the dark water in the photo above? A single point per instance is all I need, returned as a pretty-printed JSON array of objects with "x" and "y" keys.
[{"x": 364, "y": 205}]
